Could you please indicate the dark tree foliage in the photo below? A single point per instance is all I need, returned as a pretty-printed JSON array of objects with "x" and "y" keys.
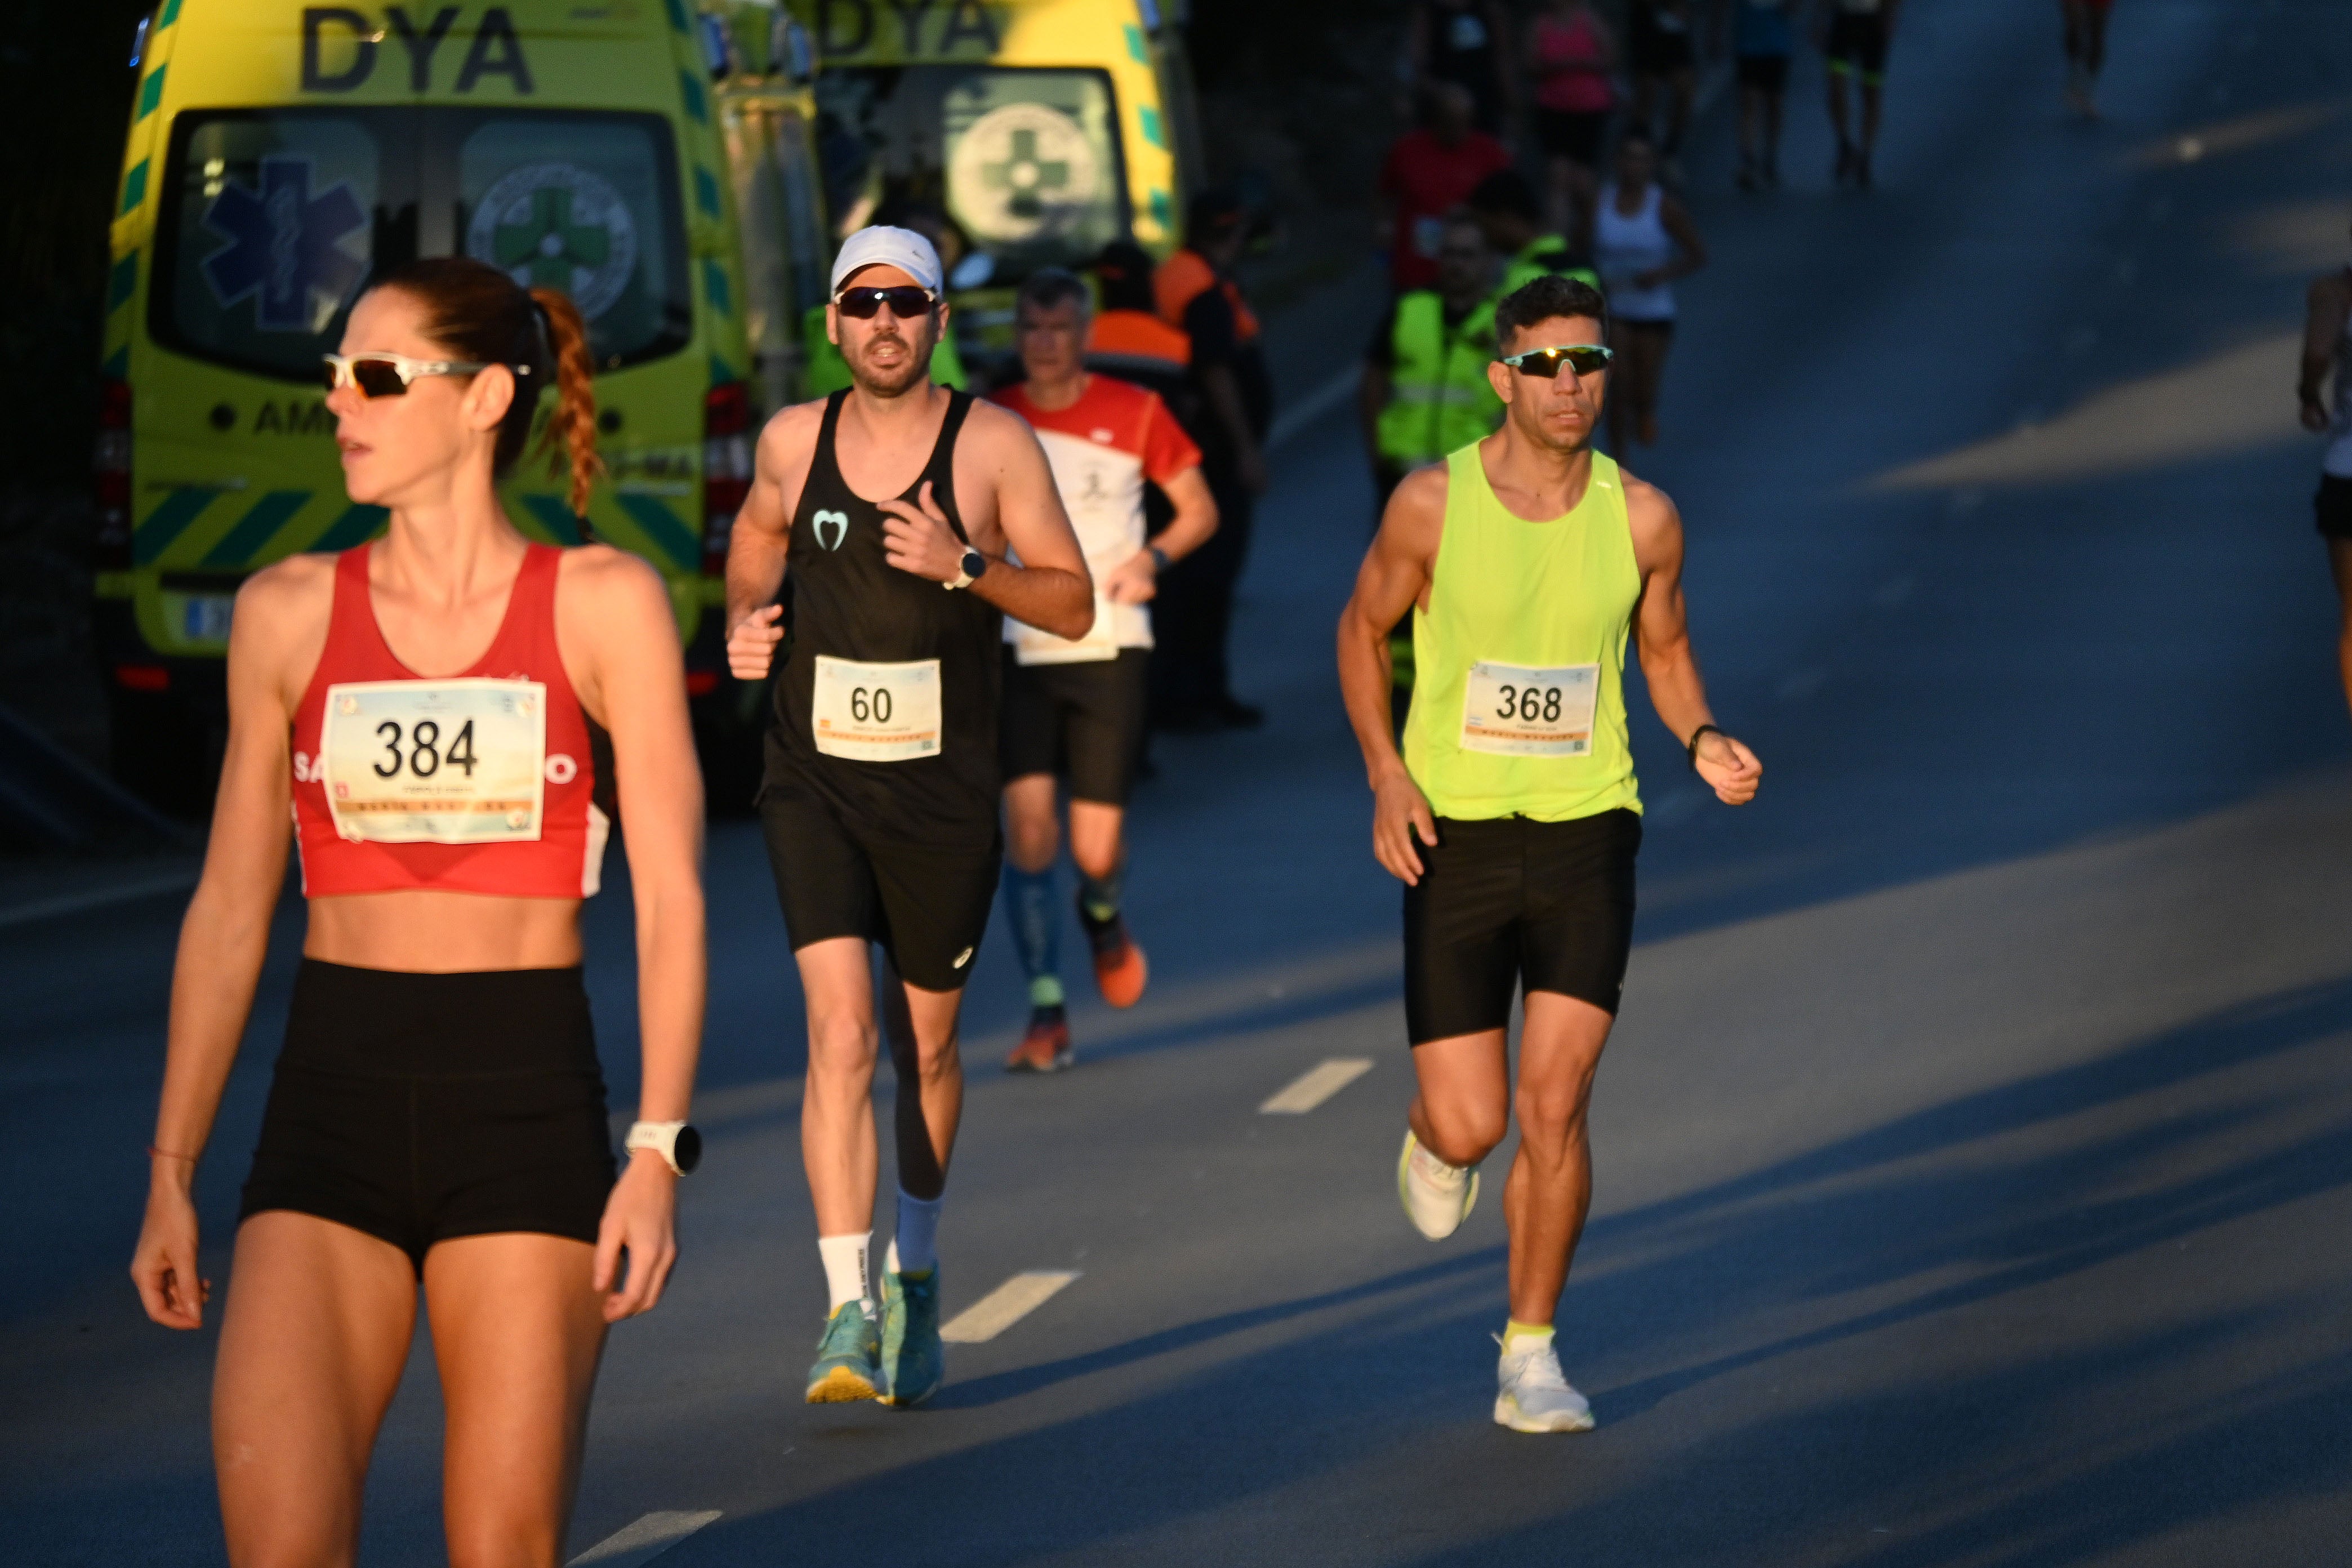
[{"x": 65, "y": 100}]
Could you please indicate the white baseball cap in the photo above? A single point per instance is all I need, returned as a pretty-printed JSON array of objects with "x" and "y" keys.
[{"x": 880, "y": 244}]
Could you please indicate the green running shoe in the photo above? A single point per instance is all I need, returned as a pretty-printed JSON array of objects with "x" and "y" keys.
[
  {"x": 914, "y": 1362},
  {"x": 849, "y": 1358}
]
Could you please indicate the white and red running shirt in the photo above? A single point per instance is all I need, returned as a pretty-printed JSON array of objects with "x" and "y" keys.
[{"x": 1102, "y": 448}]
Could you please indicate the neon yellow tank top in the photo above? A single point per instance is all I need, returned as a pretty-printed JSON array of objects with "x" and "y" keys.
[{"x": 1518, "y": 706}]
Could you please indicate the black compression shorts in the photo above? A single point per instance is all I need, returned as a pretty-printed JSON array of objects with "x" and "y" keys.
[
  {"x": 927, "y": 906},
  {"x": 1081, "y": 722},
  {"x": 1858, "y": 42},
  {"x": 2332, "y": 507},
  {"x": 418, "y": 1108},
  {"x": 1512, "y": 902}
]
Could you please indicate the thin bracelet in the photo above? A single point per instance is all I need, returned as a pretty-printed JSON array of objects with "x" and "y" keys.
[
  {"x": 155, "y": 1154},
  {"x": 1693, "y": 748}
]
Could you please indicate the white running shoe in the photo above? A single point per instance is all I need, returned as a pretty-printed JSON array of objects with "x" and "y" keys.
[
  {"x": 1437, "y": 1197},
  {"x": 1533, "y": 1393}
]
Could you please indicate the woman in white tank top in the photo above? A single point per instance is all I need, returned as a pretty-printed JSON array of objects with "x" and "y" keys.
[{"x": 1643, "y": 240}]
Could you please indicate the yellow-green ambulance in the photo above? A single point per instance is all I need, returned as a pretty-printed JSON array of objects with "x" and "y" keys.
[
  {"x": 280, "y": 154},
  {"x": 1028, "y": 133}
]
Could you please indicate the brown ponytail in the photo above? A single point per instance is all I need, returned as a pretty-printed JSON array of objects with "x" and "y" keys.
[
  {"x": 477, "y": 312},
  {"x": 572, "y": 428}
]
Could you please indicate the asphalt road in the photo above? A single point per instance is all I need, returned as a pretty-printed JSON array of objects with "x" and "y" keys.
[{"x": 1973, "y": 1147}]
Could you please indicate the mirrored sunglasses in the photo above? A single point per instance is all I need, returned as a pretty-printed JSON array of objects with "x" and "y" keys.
[
  {"x": 904, "y": 299},
  {"x": 1581, "y": 358},
  {"x": 388, "y": 375}
]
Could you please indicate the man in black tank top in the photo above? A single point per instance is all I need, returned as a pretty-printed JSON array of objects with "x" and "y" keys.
[{"x": 879, "y": 800}]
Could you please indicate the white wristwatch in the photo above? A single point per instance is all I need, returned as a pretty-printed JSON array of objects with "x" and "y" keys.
[
  {"x": 968, "y": 569},
  {"x": 677, "y": 1144}
]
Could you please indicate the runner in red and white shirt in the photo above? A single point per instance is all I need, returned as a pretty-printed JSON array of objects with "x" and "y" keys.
[{"x": 1076, "y": 709}]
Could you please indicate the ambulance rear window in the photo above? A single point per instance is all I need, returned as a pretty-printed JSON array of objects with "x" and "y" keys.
[
  {"x": 276, "y": 219},
  {"x": 270, "y": 224},
  {"x": 583, "y": 203},
  {"x": 1024, "y": 163}
]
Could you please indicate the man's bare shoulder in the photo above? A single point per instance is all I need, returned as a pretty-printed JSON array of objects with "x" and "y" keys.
[
  {"x": 1414, "y": 518},
  {"x": 792, "y": 432},
  {"x": 996, "y": 429},
  {"x": 1650, "y": 514},
  {"x": 1419, "y": 497}
]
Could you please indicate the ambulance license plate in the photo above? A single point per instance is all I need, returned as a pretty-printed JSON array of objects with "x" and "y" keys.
[{"x": 205, "y": 616}]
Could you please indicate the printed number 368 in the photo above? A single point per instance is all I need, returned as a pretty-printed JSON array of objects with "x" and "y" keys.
[{"x": 1529, "y": 704}]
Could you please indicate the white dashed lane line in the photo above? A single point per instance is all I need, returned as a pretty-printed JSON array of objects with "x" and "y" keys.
[
  {"x": 644, "y": 1541},
  {"x": 1005, "y": 1306},
  {"x": 1316, "y": 1086}
]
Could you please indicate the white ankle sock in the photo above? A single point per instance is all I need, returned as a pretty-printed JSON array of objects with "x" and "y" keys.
[
  {"x": 845, "y": 1268},
  {"x": 915, "y": 1249}
]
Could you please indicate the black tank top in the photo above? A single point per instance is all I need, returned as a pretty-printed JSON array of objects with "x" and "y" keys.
[{"x": 849, "y": 602}]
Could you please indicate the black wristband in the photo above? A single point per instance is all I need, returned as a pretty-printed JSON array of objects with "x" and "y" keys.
[
  {"x": 1693, "y": 747},
  {"x": 1158, "y": 558}
]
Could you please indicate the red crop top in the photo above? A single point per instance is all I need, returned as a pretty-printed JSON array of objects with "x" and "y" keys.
[{"x": 478, "y": 782}]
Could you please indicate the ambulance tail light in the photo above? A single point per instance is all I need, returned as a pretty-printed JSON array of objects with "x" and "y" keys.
[
  {"x": 726, "y": 469},
  {"x": 113, "y": 464}
]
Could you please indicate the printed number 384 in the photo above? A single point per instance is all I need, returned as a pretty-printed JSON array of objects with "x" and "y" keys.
[{"x": 425, "y": 755}]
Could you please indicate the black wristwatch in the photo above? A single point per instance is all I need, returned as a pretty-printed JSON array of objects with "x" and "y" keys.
[
  {"x": 972, "y": 564},
  {"x": 1158, "y": 558},
  {"x": 1702, "y": 730}
]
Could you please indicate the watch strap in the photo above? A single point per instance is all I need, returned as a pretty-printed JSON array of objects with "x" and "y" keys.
[{"x": 661, "y": 1137}]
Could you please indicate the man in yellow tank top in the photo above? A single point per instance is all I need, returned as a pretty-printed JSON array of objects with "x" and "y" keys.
[{"x": 1511, "y": 814}]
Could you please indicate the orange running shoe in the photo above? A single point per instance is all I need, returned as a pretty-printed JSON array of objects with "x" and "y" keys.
[
  {"x": 1047, "y": 1047},
  {"x": 1121, "y": 970}
]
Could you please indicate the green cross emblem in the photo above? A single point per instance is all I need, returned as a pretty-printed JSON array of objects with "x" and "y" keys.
[
  {"x": 1025, "y": 175},
  {"x": 551, "y": 242}
]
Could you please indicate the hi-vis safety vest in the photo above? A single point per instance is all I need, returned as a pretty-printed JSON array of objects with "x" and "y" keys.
[
  {"x": 1440, "y": 399},
  {"x": 1544, "y": 256}
]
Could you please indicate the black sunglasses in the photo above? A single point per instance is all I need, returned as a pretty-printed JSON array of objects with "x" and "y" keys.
[
  {"x": 905, "y": 302},
  {"x": 1581, "y": 358}
]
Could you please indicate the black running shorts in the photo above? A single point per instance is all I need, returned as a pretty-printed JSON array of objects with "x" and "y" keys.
[
  {"x": 2333, "y": 507},
  {"x": 1513, "y": 903},
  {"x": 1082, "y": 722},
  {"x": 927, "y": 906},
  {"x": 1858, "y": 42},
  {"x": 417, "y": 1107}
]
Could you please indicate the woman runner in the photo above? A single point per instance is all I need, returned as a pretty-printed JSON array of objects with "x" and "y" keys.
[
  {"x": 1571, "y": 53},
  {"x": 1643, "y": 240},
  {"x": 422, "y": 707}
]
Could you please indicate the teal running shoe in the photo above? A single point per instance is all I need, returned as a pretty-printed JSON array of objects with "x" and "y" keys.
[
  {"x": 914, "y": 1362},
  {"x": 849, "y": 1358}
]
